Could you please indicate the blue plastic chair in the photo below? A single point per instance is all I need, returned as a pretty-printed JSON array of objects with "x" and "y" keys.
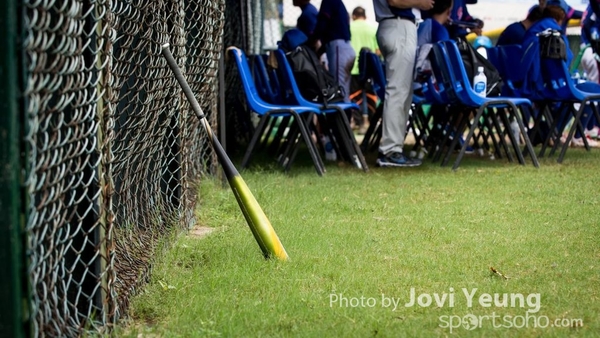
[
  {"x": 561, "y": 90},
  {"x": 373, "y": 72},
  {"x": 332, "y": 115},
  {"x": 269, "y": 89},
  {"x": 467, "y": 96},
  {"x": 267, "y": 86},
  {"x": 267, "y": 111}
]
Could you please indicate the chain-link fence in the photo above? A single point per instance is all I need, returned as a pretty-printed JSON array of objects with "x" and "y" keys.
[
  {"x": 254, "y": 26},
  {"x": 110, "y": 153},
  {"x": 113, "y": 152}
]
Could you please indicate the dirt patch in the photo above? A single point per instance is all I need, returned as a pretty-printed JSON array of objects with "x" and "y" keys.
[{"x": 200, "y": 231}]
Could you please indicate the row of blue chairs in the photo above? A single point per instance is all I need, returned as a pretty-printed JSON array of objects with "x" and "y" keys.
[
  {"x": 453, "y": 100},
  {"x": 554, "y": 101},
  {"x": 286, "y": 117}
]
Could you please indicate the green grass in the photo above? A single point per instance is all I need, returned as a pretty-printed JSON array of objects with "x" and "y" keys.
[{"x": 379, "y": 235}]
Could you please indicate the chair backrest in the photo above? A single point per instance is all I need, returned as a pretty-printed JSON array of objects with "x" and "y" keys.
[
  {"x": 493, "y": 55},
  {"x": 375, "y": 72},
  {"x": 362, "y": 65},
  {"x": 458, "y": 74},
  {"x": 254, "y": 100},
  {"x": 291, "y": 92},
  {"x": 267, "y": 85},
  {"x": 443, "y": 75},
  {"x": 507, "y": 61}
]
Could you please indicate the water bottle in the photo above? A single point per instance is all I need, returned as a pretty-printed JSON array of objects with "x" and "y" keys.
[
  {"x": 330, "y": 154},
  {"x": 480, "y": 82},
  {"x": 594, "y": 35}
]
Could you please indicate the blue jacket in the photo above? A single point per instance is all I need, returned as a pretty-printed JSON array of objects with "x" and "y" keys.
[
  {"x": 540, "y": 26},
  {"x": 308, "y": 19},
  {"x": 533, "y": 79},
  {"x": 333, "y": 22}
]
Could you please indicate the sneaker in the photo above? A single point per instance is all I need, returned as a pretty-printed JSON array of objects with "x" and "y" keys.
[
  {"x": 330, "y": 154},
  {"x": 592, "y": 133},
  {"x": 469, "y": 150},
  {"x": 578, "y": 142},
  {"x": 396, "y": 159}
]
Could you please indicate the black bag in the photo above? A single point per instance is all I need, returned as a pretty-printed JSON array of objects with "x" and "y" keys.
[
  {"x": 314, "y": 82},
  {"x": 472, "y": 59},
  {"x": 552, "y": 45}
]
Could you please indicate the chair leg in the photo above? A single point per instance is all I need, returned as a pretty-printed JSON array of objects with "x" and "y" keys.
[
  {"x": 491, "y": 123},
  {"x": 463, "y": 122},
  {"x": 514, "y": 142},
  {"x": 349, "y": 141},
  {"x": 291, "y": 139},
  {"x": 528, "y": 144},
  {"x": 257, "y": 134},
  {"x": 553, "y": 134},
  {"x": 373, "y": 123},
  {"x": 264, "y": 142},
  {"x": 278, "y": 141},
  {"x": 303, "y": 130},
  {"x": 576, "y": 125},
  {"x": 468, "y": 138}
]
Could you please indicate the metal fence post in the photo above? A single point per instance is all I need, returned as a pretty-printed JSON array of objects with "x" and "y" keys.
[{"x": 12, "y": 283}]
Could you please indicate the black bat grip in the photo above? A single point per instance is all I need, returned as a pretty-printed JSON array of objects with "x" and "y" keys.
[{"x": 182, "y": 81}]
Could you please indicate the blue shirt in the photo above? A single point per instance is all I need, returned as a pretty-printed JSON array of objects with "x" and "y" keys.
[
  {"x": 513, "y": 34},
  {"x": 308, "y": 20},
  {"x": 431, "y": 31},
  {"x": 333, "y": 22}
]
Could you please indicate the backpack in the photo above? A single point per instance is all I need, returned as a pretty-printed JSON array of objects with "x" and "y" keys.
[
  {"x": 314, "y": 82},
  {"x": 548, "y": 47},
  {"x": 472, "y": 59}
]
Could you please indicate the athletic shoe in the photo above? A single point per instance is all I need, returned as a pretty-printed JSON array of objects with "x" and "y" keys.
[
  {"x": 593, "y": 133},
  {"x": 396, "y": 159},
  {"x": 469, "y": 150},
  {"x": 578, "y": 142}
]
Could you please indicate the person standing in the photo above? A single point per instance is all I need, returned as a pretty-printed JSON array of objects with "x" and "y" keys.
[
  {"x": 333, "y": 31},
  {"x": 307, "y": 21},
  {"x": 397, "y": 39},
  {"x": 363, "y": 35}
]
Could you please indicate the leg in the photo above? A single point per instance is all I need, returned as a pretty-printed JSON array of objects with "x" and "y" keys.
[{"x": 398, "y": 42}]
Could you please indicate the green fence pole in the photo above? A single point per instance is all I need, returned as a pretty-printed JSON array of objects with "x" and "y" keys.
[{"x": 12, "y": 317}]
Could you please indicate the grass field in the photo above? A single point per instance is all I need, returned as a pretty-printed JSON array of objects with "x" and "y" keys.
[{"x": 360, "y": 243}]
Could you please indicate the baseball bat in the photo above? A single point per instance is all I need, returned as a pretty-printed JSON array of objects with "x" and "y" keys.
[{"x": 255, "y": 217}]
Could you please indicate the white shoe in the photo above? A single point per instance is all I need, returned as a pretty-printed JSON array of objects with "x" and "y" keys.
[
  {"x": 578, "y": 142},
  {"x": 592, "y": 133},
  {"x": 330, "y": 154}
]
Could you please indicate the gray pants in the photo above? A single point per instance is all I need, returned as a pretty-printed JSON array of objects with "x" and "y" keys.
[
  {"x": 340, "y": 60},
  {"x": 397, "y": 40}
]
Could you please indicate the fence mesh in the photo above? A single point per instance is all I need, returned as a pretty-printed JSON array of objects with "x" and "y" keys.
[{"x": 113, "y": 150}]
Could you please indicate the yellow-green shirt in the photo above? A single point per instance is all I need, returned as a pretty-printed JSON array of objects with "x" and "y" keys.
[{"x": 362, "y": 34}]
